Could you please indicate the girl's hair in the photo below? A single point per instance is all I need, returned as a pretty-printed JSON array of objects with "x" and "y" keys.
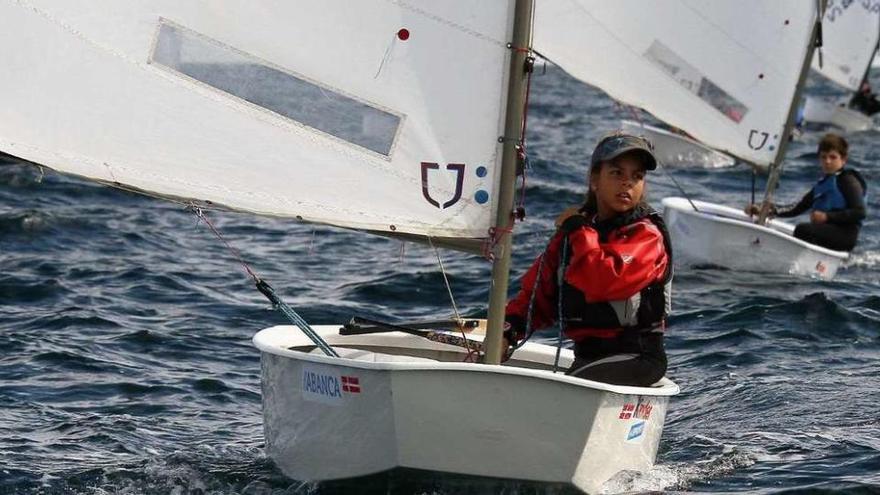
[
  {"x": 833, "y": 142},
  {"x": 591, "y": 206}
]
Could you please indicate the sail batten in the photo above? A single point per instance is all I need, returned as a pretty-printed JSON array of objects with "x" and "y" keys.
[
  {"x": 723, "y": 71},
  {"x": 379, "y": 116}
]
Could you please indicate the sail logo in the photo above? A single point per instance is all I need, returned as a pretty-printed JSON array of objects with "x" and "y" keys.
[
  {"x": 758, "y": 139},
  {"x": 457, "y": 168},
  {"x": 636, "y": 432}
]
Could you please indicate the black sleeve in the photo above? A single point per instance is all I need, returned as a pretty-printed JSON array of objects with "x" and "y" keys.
[
  {"x": 803, "y": 205},
  {"x": 852, "y": 192}
]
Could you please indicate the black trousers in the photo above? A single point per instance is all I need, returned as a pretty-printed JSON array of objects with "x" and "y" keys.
[
  {"x": 828, "y": 235},
  {"x": 632, "y": 359}
]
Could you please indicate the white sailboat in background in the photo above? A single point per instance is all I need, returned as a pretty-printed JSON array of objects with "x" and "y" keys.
[
  {"x": 729, "y": 74},
  {"x": 850, "y": 33},
  {"x": 676, "y": 150},
  {"x": 398, "y": 118}
]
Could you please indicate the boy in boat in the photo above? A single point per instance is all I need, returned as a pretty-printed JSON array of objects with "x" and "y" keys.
[
  {"x": 615, "y": 261},
  {"x": 837, "y": 201},
  {"x": 865, "y": 100}
]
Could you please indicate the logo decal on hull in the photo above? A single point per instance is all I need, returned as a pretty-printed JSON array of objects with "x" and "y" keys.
[
  {"x": 636, "y": 432},
  {"x": 639, "y": 410},
  {"x": 326, "y": 385},
  {"x": 351, "y": 384}
]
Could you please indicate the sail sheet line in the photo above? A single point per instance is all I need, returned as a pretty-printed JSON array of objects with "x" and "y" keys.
[
  {"x": 473, "y": 351},
  {"x": 267, "y": 289}
]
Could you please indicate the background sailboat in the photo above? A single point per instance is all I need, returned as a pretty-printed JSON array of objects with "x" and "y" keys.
[
  {"x": 676, "y": 150},
  {"x": 850, "y": 36}
]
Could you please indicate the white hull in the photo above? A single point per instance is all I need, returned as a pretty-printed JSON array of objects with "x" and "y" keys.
[
  {"x": 825, "y": 112},
  {"x": 419, "y": 406},
  {"x": 727, "y": 237},
  {"x": 675, "y": 150}
]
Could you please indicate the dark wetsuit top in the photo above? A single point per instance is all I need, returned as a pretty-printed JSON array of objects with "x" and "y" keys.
[{"x": 841, "y": 231}]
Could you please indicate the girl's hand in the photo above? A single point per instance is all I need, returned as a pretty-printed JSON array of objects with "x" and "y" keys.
[
  {"x": 818, "y": 217},
  {"x": 752, "y": 210}
]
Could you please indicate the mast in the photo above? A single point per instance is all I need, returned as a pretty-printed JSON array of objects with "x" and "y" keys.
[
  {"x": 522, "y": 38},
  {"x": 775, "y": 168}
]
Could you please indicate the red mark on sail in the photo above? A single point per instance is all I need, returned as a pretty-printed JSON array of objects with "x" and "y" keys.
[{"x": 403, "y": 34}]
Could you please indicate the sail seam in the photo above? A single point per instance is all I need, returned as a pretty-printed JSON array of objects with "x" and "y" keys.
[{"x": 447, "y": 22}]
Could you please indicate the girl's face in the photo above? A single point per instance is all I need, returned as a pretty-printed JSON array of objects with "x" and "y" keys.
[
  {"x": 831, "y": 161},
  {"x": 618, "y": 185}
]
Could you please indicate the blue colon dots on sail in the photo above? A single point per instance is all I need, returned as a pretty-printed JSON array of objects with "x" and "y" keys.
[
  {"x": 247, "y": 77},
  {"x": 481, "y": 196},
  {"x": 482, "y": 171}
]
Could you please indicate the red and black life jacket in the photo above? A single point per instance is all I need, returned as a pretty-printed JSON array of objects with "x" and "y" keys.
[{"x": 644, "y": 311}]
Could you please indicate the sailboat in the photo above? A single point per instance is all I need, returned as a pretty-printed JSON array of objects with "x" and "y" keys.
[
  {"x": 395, "y": 118},
  {"x": 676, "y": 150},
  {"x": 729, "y": 74},
  {"x": 851, "y": 33}
]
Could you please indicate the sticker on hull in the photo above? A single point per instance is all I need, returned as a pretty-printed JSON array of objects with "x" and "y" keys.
[
  {"x": 636, "y": 432},
  {"x": 325, "y": 385}
]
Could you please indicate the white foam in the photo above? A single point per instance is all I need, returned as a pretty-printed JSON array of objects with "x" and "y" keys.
[
  {"x": 866, "y": 259},
  {"x": 679, "y": 476}
]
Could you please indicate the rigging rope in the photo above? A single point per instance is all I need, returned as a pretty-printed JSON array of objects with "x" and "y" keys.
[
  {"x": 268, "y": 291},
  {"x": 560, "y": 280},
  {"x": 529, "y": 331},
  {"x": 680, "y": 189},
  {"x": 496, "y": 233},
  {"x": 472, "y": 352},
  {"x": 637, "y": 116}
]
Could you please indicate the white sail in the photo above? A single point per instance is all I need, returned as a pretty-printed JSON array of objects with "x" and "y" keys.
[
  {"x": 850, "y": 30},
  {"x": 725, "y": 71},
  {"x": 377, "y": 115}
]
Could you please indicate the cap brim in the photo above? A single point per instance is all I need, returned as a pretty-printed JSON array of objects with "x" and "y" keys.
[{"x": 648, "y": 158}]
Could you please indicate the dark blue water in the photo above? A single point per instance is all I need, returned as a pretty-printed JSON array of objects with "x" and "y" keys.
[{"x": 126, "y": 364}]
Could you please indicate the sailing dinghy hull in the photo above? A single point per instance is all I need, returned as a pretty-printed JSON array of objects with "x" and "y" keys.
[
  {"x": 725, "y": 236},
  {"x": 819, "y": 111},
  {"x": 401, "y": 401},
  {"x": 674, "y": 150}
]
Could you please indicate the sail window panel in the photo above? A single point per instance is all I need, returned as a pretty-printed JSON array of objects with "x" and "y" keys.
[
  {"x": 695, "y": 82},
  {"x": 294, "y": 97}
]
